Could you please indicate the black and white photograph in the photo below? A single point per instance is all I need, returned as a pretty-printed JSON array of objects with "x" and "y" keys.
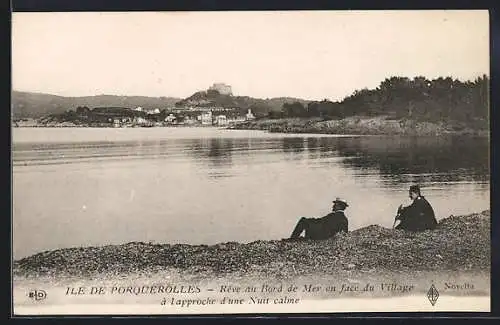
[{"x": 250, "y": 162}]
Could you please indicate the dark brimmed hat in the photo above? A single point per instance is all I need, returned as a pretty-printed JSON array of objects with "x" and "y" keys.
[
  {"x": 339, "y": 200},
  {"x": 415, "y": 189}
]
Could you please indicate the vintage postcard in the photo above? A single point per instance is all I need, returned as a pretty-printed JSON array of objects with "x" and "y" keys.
[{"x": 250, "y": 162}]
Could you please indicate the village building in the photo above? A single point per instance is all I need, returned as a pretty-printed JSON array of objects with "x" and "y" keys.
[
  {"x": 153, "y": 111},
  {"x": 236, "y": 119},
  {"x": 207, "y": 118},
  {"x": 190, "y": 121},
  {"x": 250, "y": 115},
  {"x": 140, "y": 120},
  {"x": 221, "y": 120},
  {"x": 170, "y": 118},
  {"x": 219, "y": 109}
]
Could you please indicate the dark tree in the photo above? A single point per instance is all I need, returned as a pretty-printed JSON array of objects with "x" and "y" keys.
[
  {"x": 294, "y": 109},
  {"x": 82, "y": 110}
]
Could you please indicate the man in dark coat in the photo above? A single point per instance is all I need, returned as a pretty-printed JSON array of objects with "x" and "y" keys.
[
  {"x": 419, "y": 215},
  {"x": 325, "y": 227}
]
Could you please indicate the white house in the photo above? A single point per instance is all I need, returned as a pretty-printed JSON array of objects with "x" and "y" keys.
[
  {"x": 206, "y": 118},
  {"x": 153, "y": 111},
  {"x": 140, "y": 120},
  {"x": 138, "y": 108},
  {"x": 221, "y": 120},
  {"x": 250, "y": 115},
  {"x": 170, "y": 118},
  {"x": 190, "y": 121},
  {"x": 234, "y": 120}
]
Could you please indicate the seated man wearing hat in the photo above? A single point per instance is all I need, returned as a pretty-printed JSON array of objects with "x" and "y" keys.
[
  {"x": 419, "y": 215},
  {"x": 325, "y": 227}
]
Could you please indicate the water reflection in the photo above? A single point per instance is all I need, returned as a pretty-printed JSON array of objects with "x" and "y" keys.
[
  {"x": 395, "y": 159},
  {"x": 216, "y": 152},
  {"x": 440, "y": 159},
  {"x": 294, "y": 145},
  {"x": 400, "y": 159}
]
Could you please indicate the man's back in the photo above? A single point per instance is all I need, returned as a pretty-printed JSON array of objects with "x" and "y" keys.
[
  {"x": 325, "y": 227},
  {"x": 418, "y": 216},
  {"x": 335, "y": 222}
]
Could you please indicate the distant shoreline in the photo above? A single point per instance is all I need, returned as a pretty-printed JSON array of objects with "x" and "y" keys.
[
  {"x": 358, "y": 125},
  {"x": 347, "y": 126}
]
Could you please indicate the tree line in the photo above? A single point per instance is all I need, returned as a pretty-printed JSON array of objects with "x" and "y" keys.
[{"x": 421, "y": 99}]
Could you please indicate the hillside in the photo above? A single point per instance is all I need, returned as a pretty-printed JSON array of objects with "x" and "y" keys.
[
  {"x": 460, "y": 104},
  {"x": 35, "y": 105},
  {"x": 363, "y": 125},
  {"x": 260, "y": 107}
]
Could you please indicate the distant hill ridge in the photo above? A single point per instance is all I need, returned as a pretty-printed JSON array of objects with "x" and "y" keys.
[{"x": 35, "y": 105}]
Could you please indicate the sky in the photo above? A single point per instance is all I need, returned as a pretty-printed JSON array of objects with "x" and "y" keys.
[{"x": 307, "y": 54}]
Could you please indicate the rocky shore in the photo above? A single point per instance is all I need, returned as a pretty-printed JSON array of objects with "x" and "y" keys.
[
  {"x": 459, "y": 244},
  {"x": 358, "y": 125}
]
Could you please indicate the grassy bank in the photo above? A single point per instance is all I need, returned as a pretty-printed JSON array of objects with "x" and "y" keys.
[
  {"x": 357, "y": 126},
  {"x": 459, "y": 244}
]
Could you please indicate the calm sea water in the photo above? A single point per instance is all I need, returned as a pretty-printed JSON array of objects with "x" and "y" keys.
[{"x": 89, "y": 186}]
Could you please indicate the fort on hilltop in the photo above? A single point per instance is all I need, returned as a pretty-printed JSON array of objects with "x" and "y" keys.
[{"x": 222, "y": 88}]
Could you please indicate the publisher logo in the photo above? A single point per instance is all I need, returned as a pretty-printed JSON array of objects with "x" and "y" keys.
[
  {"x": 37, "y": 295},
  {"x": 433, "y": 294}
]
